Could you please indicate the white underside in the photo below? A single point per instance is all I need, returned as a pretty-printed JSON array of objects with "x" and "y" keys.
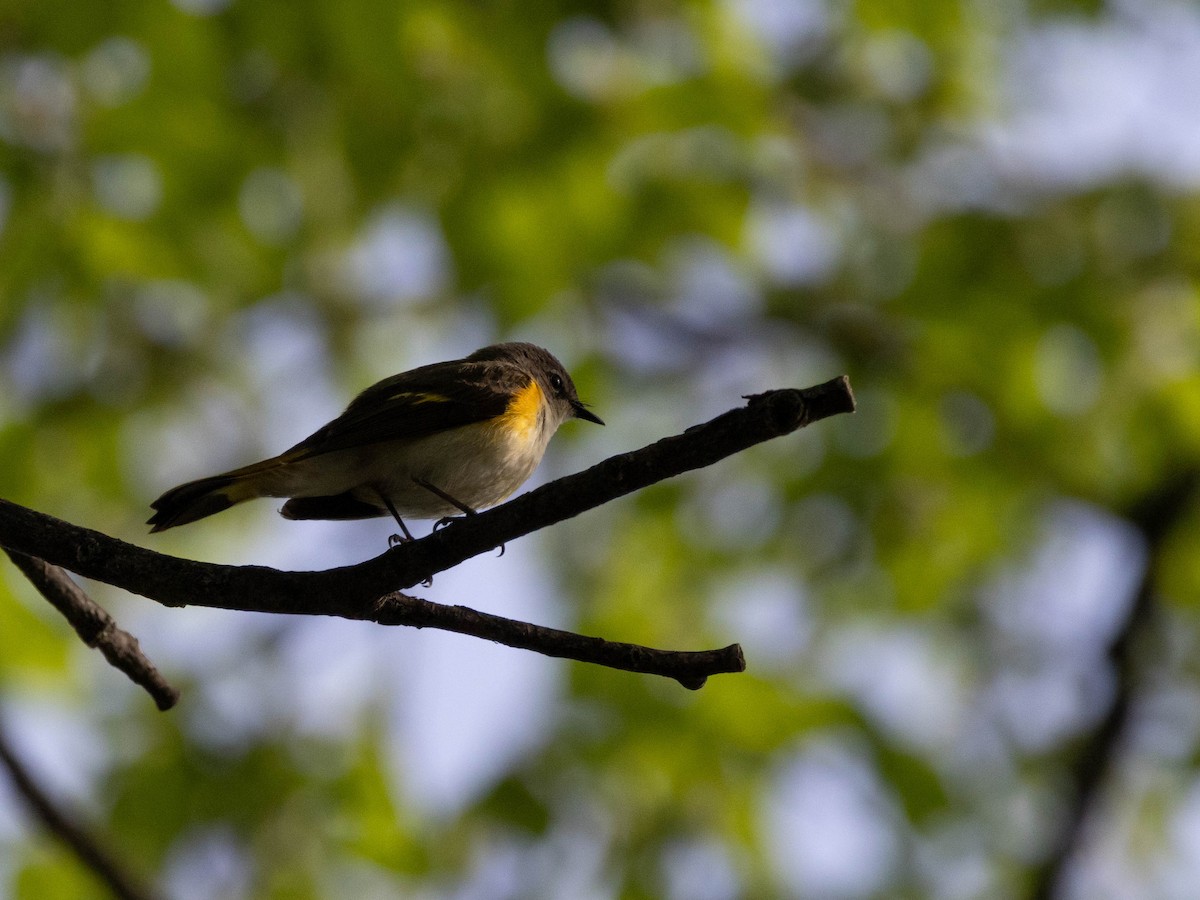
[{"x": 471, "y": 464}]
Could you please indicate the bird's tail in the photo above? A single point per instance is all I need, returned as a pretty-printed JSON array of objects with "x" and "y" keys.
[{"x": 205, "y": 496}]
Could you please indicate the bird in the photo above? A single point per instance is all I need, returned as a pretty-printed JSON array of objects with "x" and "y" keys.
[{"x": 442, "y": 439}]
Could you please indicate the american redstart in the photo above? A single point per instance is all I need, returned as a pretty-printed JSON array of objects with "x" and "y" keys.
[{"x": 449, "y": 437}]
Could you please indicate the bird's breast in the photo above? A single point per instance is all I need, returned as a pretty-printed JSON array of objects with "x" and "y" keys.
[
  {"x": 479, "y": 464},
  {"x": 525, "y": 415}
]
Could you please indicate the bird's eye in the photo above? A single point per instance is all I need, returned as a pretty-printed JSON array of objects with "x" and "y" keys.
[{"x": 556, "y": 382}]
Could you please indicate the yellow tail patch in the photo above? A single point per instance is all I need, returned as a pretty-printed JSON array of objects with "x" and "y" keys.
[
  {"x": 244, "y": 483},
  {"x": 242, "y": 488}
]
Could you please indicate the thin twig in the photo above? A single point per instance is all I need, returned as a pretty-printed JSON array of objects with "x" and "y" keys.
[
  {"x": 74, "y": 836},
  {"x": 354, "y": 591},
  {"x": 96, "y": 627},
  {"x": 690, "y": 668}
]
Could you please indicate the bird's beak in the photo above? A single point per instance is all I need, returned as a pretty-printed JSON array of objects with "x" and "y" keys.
[{"x": 582, "y": 412}]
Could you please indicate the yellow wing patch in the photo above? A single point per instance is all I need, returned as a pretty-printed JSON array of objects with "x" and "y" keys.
[
  {"x": 415, "y": 398},
  {"x": 523, "y": 411}
]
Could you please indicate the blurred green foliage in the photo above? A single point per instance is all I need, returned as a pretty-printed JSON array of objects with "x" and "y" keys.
[{"x": 220, "y": 218}]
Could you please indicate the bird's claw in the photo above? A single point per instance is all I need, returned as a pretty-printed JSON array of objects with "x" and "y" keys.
[{"x": 446, "y": 520}]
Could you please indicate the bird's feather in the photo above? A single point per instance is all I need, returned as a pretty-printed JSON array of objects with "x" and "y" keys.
[{"x": 415, "y": 404}]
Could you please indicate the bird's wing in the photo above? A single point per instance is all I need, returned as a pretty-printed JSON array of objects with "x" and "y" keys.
[{"x": 413, "y": 404}]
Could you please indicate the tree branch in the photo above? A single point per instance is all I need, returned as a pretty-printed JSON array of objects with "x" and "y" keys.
[
  {"x": 76, "y": 838},
  {"x": 354, "y": 592},
  {"x": 96, "y": 627},
  {"x": 690, "y": 668},
  {"x": 1155, "y": 515}
]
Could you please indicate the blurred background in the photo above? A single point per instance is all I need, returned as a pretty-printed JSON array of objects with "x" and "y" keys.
[{"x": 219, "y": 219}]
